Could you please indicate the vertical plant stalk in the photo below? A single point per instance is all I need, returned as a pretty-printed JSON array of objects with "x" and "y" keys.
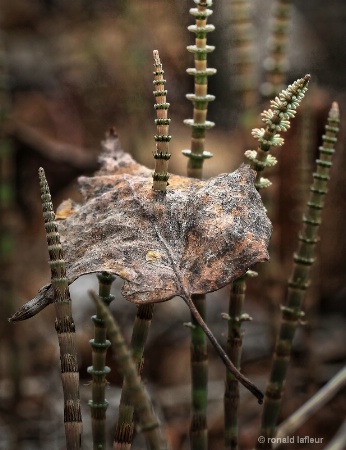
[
  {"x": 235, "y": 318},
  {"x": 64, "y": 323},
  {"x": 125, "y": 426},
  {"x": 299, "y": 280},
  {"x": 99, "y": 370},
  {"x": 197, "y": 154},
  {"x": 200, "y": 99},
  {"x": 199, "y": 377},
  {"x": 161, "y": 155},
  {"x": 243, "y": 50},
  {"x": 149, "y": 423},
  {"x": 276, "y": 64},
  {"x": 276, "y": 119}
]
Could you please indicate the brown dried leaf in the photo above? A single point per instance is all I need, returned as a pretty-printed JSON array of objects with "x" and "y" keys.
[{"x": 196, "y": 238}]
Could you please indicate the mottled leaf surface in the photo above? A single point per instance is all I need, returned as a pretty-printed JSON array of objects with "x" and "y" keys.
[{"x": 196, "y": 238}]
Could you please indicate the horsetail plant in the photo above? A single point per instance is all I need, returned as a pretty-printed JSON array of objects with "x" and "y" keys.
[
  {"x": 243, "y": 52},
  {"x": 149, "y": 423},
  {"x": 299, "y": 280},
  {"x": 99, "y": 370},
  {"x": 235, "y": 317},
  {"x": 64, "y": 323},
  {"x": 161, "y": 155},
  {"x": 196, "y": 155},
  {"x": 125, "y": 426},
  {"x": 200, "y": 99},
  {"x": 276, "y": 119},
  {"x": 276, "y": 63}
]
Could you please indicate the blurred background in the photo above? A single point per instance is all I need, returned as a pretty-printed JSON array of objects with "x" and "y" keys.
[{"x": 70, "y": 71}]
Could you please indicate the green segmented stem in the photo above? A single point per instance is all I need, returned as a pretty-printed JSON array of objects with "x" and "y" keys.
[
  {"x": 99, "y": 370},
  {"x": 276, "y": 64},
  {"x": 276, "y": 119},
  {"x": 235, "y": 318},
  {"x": 199, "y": 378},
  {"x": 299, "y": 280},
  {"x": 162, "y": 138},
  {"x": 125, "y": 426},
  {"x": 64, "y": 323},
  {"x": 243, "y": 51},
  {"x": 200, "y": 98},
  {"x": 197, "y": 155},
  {"x": 149, "y": 423}
]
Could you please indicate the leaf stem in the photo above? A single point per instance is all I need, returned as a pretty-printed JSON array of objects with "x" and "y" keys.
[{"x": 228, "y": 363}]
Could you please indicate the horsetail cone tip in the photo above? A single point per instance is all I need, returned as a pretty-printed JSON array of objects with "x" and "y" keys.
[
  {"x": 162, "y": 138},
  {"x": 334, "y": 111},
  {"x": 276, "y": 119}
]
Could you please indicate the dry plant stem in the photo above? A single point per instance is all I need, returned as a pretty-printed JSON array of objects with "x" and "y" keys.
[
  {"x": 125, "y": 426},
  {"x": 149, "y": 423},
  {"x": 200, "y": 98},
  {"x": 303, "y": 260},
  {"x": 276, "y": 64},
  {"x": 99, "y": 370},
  {"x": 162, "y": 138},
  {"x": 243, "y": 50},
  {"x": 321, "y": 398},
  {"x": 64, "y": 323},
  {"x": 338, "y": 441}
]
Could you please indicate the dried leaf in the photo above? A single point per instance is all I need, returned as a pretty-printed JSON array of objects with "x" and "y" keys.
[{"x": 196, "y": 238}]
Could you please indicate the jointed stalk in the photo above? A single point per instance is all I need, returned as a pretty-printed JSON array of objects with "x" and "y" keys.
[
  {"x": 162, "y": 138},
  {"x": 149, "y": 423},
  {"x": 196, "y": 155},
  {"x": 200, "y": 98},
  {"x": 243, "y": 52},
  {"x": 303, "y": 260},
  {"x": 64, "y": 323},
  {"x": 235, "y": 318},
  {"x": 125, "y": 426},
  {"x": 276, "y": 63},
  {"x": 99, "y": 370},
  {"x": 276, "y": 120}
]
